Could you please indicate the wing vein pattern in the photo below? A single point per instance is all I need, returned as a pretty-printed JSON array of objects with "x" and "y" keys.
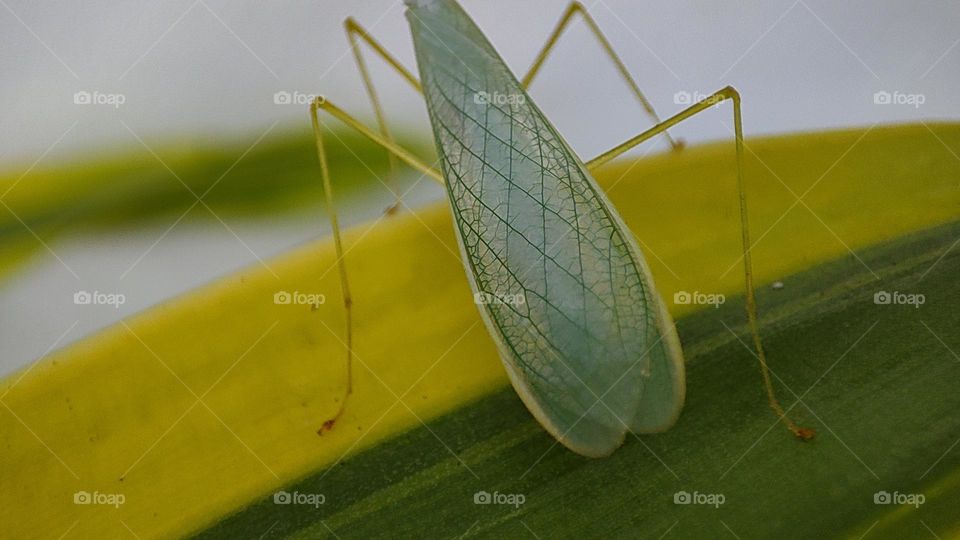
[{"x": 567, "y": 294}]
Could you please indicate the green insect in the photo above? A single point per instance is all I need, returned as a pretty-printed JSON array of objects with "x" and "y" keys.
[{"x": 585, "y": 338}]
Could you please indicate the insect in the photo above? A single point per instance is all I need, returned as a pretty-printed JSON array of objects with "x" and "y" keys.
[{"x": 591, "y": 350}]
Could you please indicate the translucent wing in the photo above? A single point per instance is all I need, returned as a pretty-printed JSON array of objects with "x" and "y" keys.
[{"x": 568, "y": 297}]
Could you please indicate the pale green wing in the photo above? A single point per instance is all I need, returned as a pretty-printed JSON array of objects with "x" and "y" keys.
[{"x": 590, "y": 348}]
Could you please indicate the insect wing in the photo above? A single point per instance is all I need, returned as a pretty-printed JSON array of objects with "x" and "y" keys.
[{"x": 562, "y": 288}]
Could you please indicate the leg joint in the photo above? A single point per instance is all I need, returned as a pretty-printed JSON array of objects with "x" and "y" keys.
[
  {"x": 576, "y": 7},
  {"x": 318, "y": 102},
  {"x": 351, "y": 26},
  {"x": 731, "y": 93}
]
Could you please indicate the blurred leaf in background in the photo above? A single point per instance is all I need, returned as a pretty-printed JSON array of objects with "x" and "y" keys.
[{"x": 275, "y": 175}]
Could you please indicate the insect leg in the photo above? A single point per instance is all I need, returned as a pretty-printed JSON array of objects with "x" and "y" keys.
[
  {"x": 394, "y": 150},
  {"x": 356, "y": 34},
  {"x": 576, "y": 8},
  {"x": 403, "y": 154},
  {"x": 727, "y": 93}
]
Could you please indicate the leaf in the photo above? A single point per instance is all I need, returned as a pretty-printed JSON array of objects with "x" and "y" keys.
[
  {"x": 275, "y": 174},
  {"x": 119, "y": 412},
  {"x": 875, "y": 381}
]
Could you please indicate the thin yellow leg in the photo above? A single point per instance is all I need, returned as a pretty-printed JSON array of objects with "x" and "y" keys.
[
  {"x": 394, "y": 150},
  {"x": 576, "y": 8},
  {"x": 356, "y": 34},
  {"x": 728, "y": 93},
  {"x": 404, "y": 155}
]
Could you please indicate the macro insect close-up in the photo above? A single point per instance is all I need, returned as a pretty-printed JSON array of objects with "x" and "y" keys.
[
  {"x": 590, "y": 348},
  {"x": 688, "y": 271}
]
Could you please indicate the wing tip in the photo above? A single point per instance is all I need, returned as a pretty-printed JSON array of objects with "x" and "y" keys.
[{"x": 417, "y": 4}]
